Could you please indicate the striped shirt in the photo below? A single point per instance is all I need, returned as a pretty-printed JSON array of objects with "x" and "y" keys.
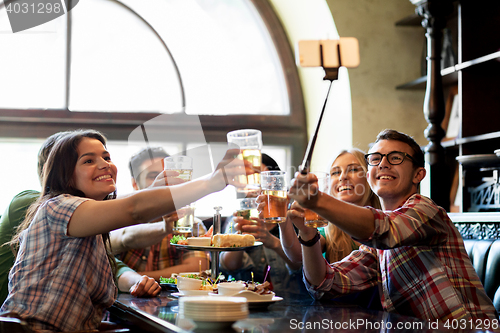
[
  {"x": 417, "y": 258},
  {"x": 59, "y": 282}
]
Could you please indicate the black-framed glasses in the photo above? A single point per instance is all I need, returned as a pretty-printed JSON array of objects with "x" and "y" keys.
[{"x": 394, "y": 158}]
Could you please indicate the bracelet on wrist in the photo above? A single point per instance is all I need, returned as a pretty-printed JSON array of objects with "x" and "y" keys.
[{"x": 310, "y": 242}]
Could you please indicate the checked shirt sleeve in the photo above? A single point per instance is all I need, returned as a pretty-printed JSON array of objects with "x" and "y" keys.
[
  {"x": 356, "y": 272},
  {"x": 418, "y": 222}
]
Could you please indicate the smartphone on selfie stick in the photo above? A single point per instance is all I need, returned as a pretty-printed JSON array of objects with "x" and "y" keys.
[{"x": 330, "y": 54}]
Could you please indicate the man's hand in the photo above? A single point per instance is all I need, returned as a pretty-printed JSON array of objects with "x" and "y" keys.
[
  {"x": 305, "y": 190},
  {"x": 296, "y": 215},
  {"x": 145, "y": 287},
  {"x": 166, "y": 178},
  {"x": 258, "y": 229},
  {"x": 231, "y": 168}
]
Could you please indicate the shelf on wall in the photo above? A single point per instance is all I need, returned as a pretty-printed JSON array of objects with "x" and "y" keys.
[
  {"x": 470, "y": 139},
  {"x": 477, "y": 61},
  {"x": 450, "y": 74},
  {"x": 413, "y": 20}
]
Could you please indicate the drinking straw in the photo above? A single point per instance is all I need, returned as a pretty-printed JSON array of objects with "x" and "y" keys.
[{"x": 268, "y": 268}]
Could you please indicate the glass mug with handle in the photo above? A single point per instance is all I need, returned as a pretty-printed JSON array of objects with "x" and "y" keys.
[
  {"x": 274, "y": 188},
  {"x": 184, "y": 166},
  {"x": 312, "y": 219},
  {"x": 250, "y": 143}
]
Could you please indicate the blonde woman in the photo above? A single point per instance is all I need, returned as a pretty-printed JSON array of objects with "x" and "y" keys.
[{"x": 348, "y": 183}]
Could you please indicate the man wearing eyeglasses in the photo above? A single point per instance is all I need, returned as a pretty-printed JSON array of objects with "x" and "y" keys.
[{"x": 411, "y": 250}]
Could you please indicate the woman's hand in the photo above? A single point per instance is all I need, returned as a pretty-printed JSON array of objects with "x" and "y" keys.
[
  {"x": 258, "y": 229},
  {"x": 145, "y": 287},
  {"x": 305, "y": 190}
]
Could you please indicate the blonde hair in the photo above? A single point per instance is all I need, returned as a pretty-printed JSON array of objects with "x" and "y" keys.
[{"x": 338, "y": 243}]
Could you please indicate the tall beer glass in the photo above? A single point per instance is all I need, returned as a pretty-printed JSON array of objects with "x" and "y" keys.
[
  {"x": 312, "y": 219},
  {"x": 250, "y": 143},
  {"x": 275, "y": 188},
  {"x": 247, "y": 208},
  {"x": 184, "y": 166}
]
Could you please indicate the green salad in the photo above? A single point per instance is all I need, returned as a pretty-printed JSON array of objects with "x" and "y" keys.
[
  {"x": 193, "y": 276},
  {"x": 177, "y": 238},
  {"x": 167, "y": 280}
]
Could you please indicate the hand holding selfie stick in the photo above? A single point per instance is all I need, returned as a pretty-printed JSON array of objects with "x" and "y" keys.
[{"x": 332, "y": 54}]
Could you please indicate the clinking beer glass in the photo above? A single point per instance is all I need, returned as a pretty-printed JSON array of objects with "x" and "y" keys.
[
  {"x": 184, "y": 166},
  {"x": 312, "y": 219},
  {"x": 274, "y": 187},
  {"x": 250, "y": 143}
]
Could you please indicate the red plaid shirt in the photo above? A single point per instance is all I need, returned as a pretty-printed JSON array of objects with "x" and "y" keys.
[{"x": 418, "y": 259}]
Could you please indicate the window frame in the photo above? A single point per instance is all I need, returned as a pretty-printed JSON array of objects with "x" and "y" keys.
[{"x": 289, "y": 130}]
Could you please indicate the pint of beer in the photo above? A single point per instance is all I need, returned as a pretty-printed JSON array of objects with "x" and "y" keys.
[
  {"x": 184, "y": 166},
  {"x": 274, "y": 187},
  {"x": 250, "y": 143},
  {"x": 247, "y": 208},
  {"x": 312, "y": 219}
]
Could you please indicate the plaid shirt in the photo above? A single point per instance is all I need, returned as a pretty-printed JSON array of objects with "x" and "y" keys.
[
  {"x": 159, "y": 256},
  {"x": 60, "y": 282},
  {"x": 418, "y": 260}
]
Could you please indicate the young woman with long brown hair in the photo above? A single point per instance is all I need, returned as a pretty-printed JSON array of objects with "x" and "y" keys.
[{"x": 62, "y": 279}]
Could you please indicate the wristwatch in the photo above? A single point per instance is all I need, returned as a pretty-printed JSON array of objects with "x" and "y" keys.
[{"x": 310, "y": 242}]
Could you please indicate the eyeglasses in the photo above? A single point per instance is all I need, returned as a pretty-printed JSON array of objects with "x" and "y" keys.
[{"x": 394, "y": 158}]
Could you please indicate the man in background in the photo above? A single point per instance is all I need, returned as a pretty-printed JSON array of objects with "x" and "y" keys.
[{"x": 158, "y": 258}]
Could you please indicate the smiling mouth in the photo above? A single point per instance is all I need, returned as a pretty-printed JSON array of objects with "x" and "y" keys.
[
  {"x": 102, "y": 177},
  {"x": 386, "y": 178},
  {"x": 345, "y": 188}
]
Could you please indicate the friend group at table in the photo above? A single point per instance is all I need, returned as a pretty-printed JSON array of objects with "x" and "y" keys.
[{"x": 386, "y": 247}]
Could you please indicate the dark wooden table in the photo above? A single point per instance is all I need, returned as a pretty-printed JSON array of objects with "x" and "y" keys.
[{"x": 292, "y": 314}]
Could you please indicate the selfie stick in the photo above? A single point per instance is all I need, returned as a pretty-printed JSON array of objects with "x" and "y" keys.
[{"x": 330, "y": 74}]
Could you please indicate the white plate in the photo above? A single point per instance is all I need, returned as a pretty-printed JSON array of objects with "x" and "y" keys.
[
  {"x": 249, "y": 295},
  {"x": 227, "y": 317},
  {"x": 252, "y": 301},
  {"x": 218, "y": 249},
  {"x": 191, "y": 293}
]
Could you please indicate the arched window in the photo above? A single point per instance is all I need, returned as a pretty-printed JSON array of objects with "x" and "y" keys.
[{"x": 115, "y": 65}]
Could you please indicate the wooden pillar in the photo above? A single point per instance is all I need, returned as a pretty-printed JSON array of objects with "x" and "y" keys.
[{"x": 434, "y": 14}]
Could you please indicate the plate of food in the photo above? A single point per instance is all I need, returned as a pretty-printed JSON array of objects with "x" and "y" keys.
[
  {"x": 188, "y": 292},
  {"x": 257, "y": 294},
  {"x": 169, "y": 284},
  {"x": 219, "y": 242}
]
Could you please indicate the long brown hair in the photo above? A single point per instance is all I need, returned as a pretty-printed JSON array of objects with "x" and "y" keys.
[
  {"x": 338, "y": 243},
  {"x": 57, "y": 179}
]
